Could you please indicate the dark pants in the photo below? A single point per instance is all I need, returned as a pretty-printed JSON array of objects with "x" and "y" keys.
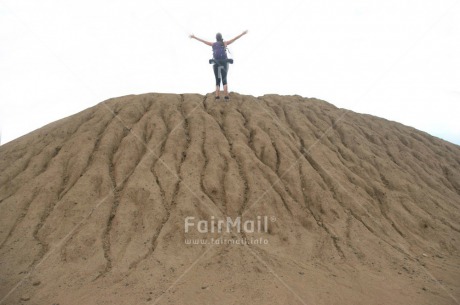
[{"x": 223, "y": 68}]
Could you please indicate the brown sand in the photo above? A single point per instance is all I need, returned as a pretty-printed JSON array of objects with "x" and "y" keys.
[{"x": 92, "y": 207}]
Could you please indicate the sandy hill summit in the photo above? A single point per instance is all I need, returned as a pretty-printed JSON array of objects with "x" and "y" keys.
[{"x": 122, "y": 204}]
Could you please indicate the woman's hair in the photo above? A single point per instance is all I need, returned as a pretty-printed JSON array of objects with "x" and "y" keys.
[{"x": 220, "y": 39}]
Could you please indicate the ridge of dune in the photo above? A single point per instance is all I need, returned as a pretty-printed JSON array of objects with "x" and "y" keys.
[{"x": 362, "y": 210}]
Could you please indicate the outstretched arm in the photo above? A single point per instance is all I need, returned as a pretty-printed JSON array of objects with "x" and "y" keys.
[
  {"x": 233, "y": 40},
  {"x": 199, "y": 39}
]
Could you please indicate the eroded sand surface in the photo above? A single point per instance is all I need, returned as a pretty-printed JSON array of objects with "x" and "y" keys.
[{"x": 362, "y": 210}]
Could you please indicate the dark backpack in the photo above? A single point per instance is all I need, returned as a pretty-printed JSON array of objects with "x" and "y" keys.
[{"x": 218, "y": 50}]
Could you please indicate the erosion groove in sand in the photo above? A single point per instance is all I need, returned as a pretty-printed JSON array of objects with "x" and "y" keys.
[{"x": 366, "y": 209}]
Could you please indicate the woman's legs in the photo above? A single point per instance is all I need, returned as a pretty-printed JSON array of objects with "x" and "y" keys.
[{"x": 223, "y": 72}]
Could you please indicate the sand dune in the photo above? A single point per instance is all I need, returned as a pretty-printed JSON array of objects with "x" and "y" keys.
[{"x": 360, "y": 210}]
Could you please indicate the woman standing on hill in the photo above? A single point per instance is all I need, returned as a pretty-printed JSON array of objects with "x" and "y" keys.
[{"x": 220, "y": 67}]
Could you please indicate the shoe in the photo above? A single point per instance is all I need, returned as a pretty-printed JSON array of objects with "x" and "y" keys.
[
  {"x": 227, "y": 97},
  {"x": 217, "y": 97}
]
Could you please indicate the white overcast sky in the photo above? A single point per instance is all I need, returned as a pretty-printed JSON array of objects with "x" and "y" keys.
[{"x": 395, "y": 59}]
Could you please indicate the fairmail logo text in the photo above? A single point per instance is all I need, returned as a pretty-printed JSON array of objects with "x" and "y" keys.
[{"x": 228, "y": 225}]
